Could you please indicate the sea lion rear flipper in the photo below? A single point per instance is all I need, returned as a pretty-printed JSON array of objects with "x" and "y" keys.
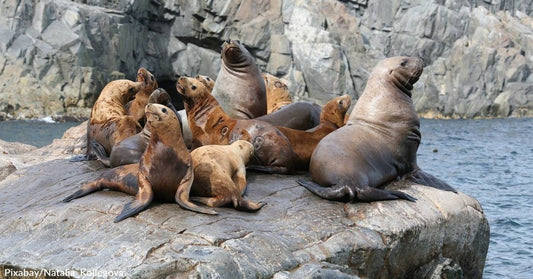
[
  {"x": 249, "y": 206},
  {"x": 182, "y": 195},
  {"x": 421, "y": 177},
  {"x": 335, "y": 193},
  {"x": 142, "y": 200},
  {"x": 100, "y": 152},
  {"x": 85, "y": 190},
  {"x": 370, "y": 194}
]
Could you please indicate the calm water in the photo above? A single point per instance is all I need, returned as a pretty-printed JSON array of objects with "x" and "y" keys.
[{"x": 490, "y": 160}]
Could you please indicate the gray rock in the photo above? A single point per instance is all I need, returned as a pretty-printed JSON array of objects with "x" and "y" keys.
[{"x": 296, "y": 235}]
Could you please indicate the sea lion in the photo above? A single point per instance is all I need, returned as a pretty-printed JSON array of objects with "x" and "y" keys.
[
  {"x": 297, "y": 115},
  {"x": 303, "y": 143},
  {"x": 164, "y": 172},
  {"x": 239, "y": 88},
  {"x": 277, "y": 93},
  {"x": 130, "y": 150},
  {"x": 135, "y": 107},
  {"x": 207, "y": 81},
  {"x": 220, "y": 175},
  {"x": 211, "y": 125},
  {"x": 379, "y": 142},
  {"x": 187, "y": 134},
  {"x": 109, "y": 123}
]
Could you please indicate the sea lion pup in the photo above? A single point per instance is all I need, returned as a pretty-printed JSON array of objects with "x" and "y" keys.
[
  {"x": 211, "y": 125},
  {"x": 130, "y": 150},
  {"x": 135, "y": 107},
  {"x": 379, "y": 142},
  {"x": 277, "y": 93},
  {"x": 220, "y": 175},
  {"x": 303, "y": 143},
  {"x": 298, "y": 115},
  {"x": 164, "y": 172},
  {"x": 109, "y": 123},
  {"x": 239, "y": 88}
]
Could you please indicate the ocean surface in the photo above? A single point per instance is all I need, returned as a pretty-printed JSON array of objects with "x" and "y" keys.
[{"x": 490, "y": 160}]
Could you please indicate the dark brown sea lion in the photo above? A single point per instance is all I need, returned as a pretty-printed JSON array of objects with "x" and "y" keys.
[
  {"x": 298, "y": 116},
  {"x": 379, "y": 142},
  {"x": 164, "y": 172},
  {"x": 211, "y": 125},
  {"x": 130, "y": 150},
  {"x": 220, "y": 175},
  {"x": 135, "y": 107},
  {"x": 239, "y": 88},
  {"x": 303, "y": 143},
  {"x": 277, "y": 93}
]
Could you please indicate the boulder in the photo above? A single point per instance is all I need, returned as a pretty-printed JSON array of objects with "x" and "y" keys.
[{"x": 295, "y": 235}]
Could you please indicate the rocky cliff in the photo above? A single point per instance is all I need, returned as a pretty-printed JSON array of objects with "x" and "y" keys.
[
  {"x": 296, "y": 235},
  {"x": 58, "y": 54}
]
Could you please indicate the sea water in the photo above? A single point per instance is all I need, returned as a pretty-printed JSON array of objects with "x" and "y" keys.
[{"x": 490, "y": 160}]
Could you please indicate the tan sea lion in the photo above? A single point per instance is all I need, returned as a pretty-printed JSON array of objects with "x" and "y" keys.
[
  {"x": 164, "y": 172},
  {"x": 379, "y": 142},
  {"x": 109, "y": 123},
  {"x": 303, "y": 143},
  {"x": 239, "y": 88},
  {"x": 211, "y": 125},
  {"x": 277, "y": 93},
  {"x": 220, "y": 175},
  {"x": 135, "y": 107},
  {"x": 207, "y": 81},
  {"x": 297, "y": 115},
  {"x": 130, "y": 150}
]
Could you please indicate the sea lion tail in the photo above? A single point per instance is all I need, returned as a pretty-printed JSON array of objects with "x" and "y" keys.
[
  {"x": 100, "y": 153},
  {"x": 421, "y": 177}
]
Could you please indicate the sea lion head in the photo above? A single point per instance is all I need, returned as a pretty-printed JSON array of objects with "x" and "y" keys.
[
  {"x": 235, "y": 54},
  {"x": 207, "y": 81},
  {"x": 401, "y": 71},
  {"x": 147, "y": 78},
  {"x": 161, "y": 118},
  {"x": 191, "y": 88},
  {"x": 161, "y": 96},
  {"x": 244, "y": 148},
  {"x": 335, "y": 110}
]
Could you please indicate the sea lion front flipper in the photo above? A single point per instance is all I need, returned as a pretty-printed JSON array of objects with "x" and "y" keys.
[
  {"x": 370, "y": 194},
  {"x": 268, "y": 169},
  {"x": 335, "y": 193},
  {"x": 239, "y": 178},
  {"x": 142, "y": 200},
  {"x": 100, "y": 153},
  {"x": 85, "y": 190},
  {"x": 421, "y": 177},
  {"x": 182, "y": 194}
]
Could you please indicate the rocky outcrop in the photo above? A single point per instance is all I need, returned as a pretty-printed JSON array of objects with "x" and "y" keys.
[
  {"x": 296, "y": 235},
  {"x": 57, "y": 55}
]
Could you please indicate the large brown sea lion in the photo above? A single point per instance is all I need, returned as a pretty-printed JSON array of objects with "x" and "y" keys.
[
  {"x": 220, "y": 175},
  {"x": 303, "y": 143},
  {"x": 135, "y": 107},
  {"x": 109, "y": 123},
  {"x": 379, "y": 142},
  {"x": 277, "y": 93},
  {"x": 130, "y": 150},
  {"x": 209, "y": 124},
  {"x": 239, "y": 87},
  {"x": 297, "y": 115},
  {"x": 164, "y": 172}
]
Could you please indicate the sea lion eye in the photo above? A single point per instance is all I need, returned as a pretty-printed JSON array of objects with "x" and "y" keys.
[
  {"x": 151, "y": 78},
  {"x": 193, "y": 87},
  {"x": 404, "y": 62},
  {"x": 278, "y": 84},
  {"x": 208, "y": 79},
  {"x": 164, "y": 110}
]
